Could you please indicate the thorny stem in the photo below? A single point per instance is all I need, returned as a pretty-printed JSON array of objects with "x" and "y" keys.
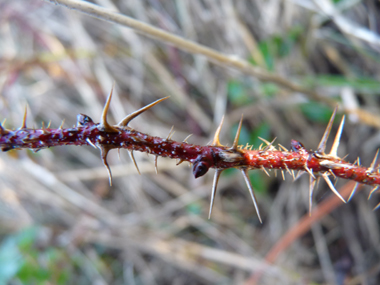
[{"x": 106, "y": 137}]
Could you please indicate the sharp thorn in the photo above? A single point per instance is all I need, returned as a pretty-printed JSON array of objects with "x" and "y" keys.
[
  {"x": 91, "y": 143},
  {"x": 275, "y": 173},
  {"x": 353, "y": 191},
  {"x": 282, "y": 147},
  {"x": 287, "y": 169},
  {"x": 328, "y": 181},
  {"x": 376, "y": 207},
  {"x": 118, "y": 154},
  {"x": 171, "y": 133},
  {"x": 61, "y": 126},
  {"x": 155, "y": 164},
  {"x": 312, "y": 182},
  {"x": 293, "y": 175},
  {"x": 48, "y": 126},
  {"x": 124, "y": 122},
  {"x": 283, "y": 175},
  {"x": 269, "y": 144},
  {"x": 263, "y": 169},
  {"x": 372, "y": 191},
  {"x": 334, "y": 148},
  {"x": 332, "y": 173},
  {"x": 322, "y": 144},
  {"x": 185, "y": 140},
  {"x": 43, "y": 125},
  {"x": 216, "y": 141},
  {"x": 299, "y": 174},
  {"x": 248, "y": 182},
  {"x": 23, "y": 126},
  {"x": 236, "y": 140},
  {"x": 372, "y": 167},
  {"x": 131, "y": 155},
  {"x": 103, "y": 155},
  {"x": 213, "y": 191},
  {"x": 180, "y": 161},
  {"x": 104, "y": 125},
  {"x": 309, "y": 171}
]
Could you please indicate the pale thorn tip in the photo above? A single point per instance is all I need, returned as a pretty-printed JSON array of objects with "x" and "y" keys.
[
  {"x": 372, "y": 167},
  {"x": 155, "y": 164},
  {"x": 282, "y": 147},
  {"x": 376, "y": 207},
  {"x": 171, "y": 133},
  {"x": 216, "y": 141},
  {"x": 23, "y": 126},
  {"x": 131, "y": 155},
  {"x": 353, "y": 191},
  {"x": 334, "y": 148},
  {"x": 103, "y": 155},
  {"x": 251, "y": 192},
  {"x": 283, "y": 175},
  {"x": 312, "y": 182},
  {"x": 372, "y": 191},
  {"x": 309, "y": 171},
  {"x": 91, "y": 143},
  {"x": 263, "y": 169},
  {"x": 104, "y": 125},
  {"x": 124, "y": 122},
  {"x": 61, "y": 126},
  {"x": 328, "y": 181},
  {"x": 213, "y": 191},
  {"x": 236, "y": 140},
  {"x": 322, "y": 144},
  {"x": 185, "y": 140},
  {"x": 299, "y": 174}
]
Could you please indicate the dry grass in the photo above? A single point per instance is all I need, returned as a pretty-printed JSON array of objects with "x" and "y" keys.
[{"x": 153, "y": 229}]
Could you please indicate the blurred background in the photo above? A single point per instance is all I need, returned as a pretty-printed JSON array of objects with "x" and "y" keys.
[{"x": 61, "y": 222}]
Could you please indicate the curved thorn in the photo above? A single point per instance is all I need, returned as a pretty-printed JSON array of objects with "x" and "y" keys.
[
  {"x": 180, "y": 161},
  {"x": 216, "y": 141},
  {"x": 372, "y": 191},
  {"x": 134, "y": 161},
  {"x": 372, "y": 167},
  {"x": 236, "y": 140},
  {"x": 322, "y": 144},
  {"x": 61, "y": 126},
  {"x": 213, "y": 191},
  {"x": 91, "y": 143},
  {"x": 103, "y": 155},
  {"x": 185, "y": 140},
  {"x": 353, "y": 191},
  {"x": 312, "y": 182},
  {"x": 334, "y": 148},
  {"x": 328, "y": 181},
  {"x": 155, "y": 163},
  {"x": 124, "y": 122},
  {"x": 248, "y": 182},
  {"x": 104, "y": 126}
]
